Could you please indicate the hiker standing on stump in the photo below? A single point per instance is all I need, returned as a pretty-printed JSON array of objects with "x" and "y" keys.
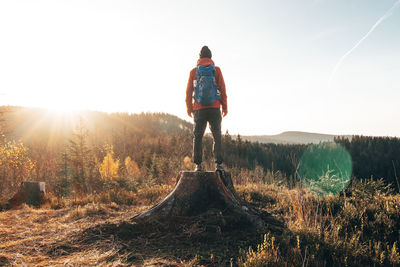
[{"x": 205, "y": 94}]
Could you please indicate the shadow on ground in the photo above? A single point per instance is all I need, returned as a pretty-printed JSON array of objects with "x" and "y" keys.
[{"x": 211, "y": 237}]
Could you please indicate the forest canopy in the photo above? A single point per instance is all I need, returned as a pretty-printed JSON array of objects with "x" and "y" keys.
[{"x": 90, "y": 151}]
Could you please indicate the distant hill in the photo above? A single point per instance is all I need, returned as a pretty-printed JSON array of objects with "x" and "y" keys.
[
  {"x": 34, "y": 124},
  {"x": 293, "y": 137},
  {"x": 37, "y": 124}
]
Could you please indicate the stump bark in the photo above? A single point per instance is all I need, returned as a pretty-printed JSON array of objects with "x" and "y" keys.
[
  {"x": 31, "y": 193},
  {"x": 197, "y": 193}
]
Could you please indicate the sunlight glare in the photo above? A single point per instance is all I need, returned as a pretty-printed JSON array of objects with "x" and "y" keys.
[{"x": 57, "y": 105}]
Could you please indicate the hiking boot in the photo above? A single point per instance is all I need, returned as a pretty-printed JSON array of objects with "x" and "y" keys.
[
  {"x": 219, "y": 168},
  {"x": 199, "y": 168}
]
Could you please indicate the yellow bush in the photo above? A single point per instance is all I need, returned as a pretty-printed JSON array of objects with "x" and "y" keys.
[
  {"x": 187, "y": 162},
  {"x": 132, "y": 168},
  {"x": 109, "y": 168},
  {"x": 15, "y": 166}
]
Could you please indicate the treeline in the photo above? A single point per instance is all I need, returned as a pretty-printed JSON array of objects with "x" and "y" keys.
[
  {"x": 90, "y": 152},
  {"x": 372, "y": 157},
  {"x": 376, "y": 157}
]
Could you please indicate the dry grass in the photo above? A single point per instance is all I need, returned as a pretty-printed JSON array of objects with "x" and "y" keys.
[
  {"x": 32, "y": 236},
  {"x": 103, "y": 235},
  {"x": 87, "y": 234},
  {"x": 359, "y": 229}
]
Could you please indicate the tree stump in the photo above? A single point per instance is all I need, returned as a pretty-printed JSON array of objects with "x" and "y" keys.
[
  {"x": 198, "y": 193},
  {"x": 31, "y": 193}
]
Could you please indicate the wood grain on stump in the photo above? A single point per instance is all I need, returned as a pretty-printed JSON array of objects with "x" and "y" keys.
[{"x": 198, "y": 193}]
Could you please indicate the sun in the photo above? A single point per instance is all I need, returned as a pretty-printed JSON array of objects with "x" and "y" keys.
[
  {"x": 64, "y": 106},
  {"x": 61, "y": 109}
]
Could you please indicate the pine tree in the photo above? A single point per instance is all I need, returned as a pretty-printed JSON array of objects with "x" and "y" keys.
[{"x": 79, "y": 156}]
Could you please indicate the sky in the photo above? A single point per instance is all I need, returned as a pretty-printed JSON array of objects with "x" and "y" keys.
[{"x": 324, "y": 66}]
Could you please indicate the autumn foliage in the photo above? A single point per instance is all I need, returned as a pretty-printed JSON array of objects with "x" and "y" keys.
[
  {"x": 109, "y": 168},
  {"x": 15, "y": 166}
]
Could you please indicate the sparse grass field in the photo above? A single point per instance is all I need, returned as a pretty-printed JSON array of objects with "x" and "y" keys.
[{"x": 361, "y": 229}]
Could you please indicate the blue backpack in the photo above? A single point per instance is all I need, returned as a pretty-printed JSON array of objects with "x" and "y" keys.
[{"x": 206, "y": 89}]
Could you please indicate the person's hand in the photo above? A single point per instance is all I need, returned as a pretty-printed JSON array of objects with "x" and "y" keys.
[
  {"x": 189, "y": 112},
  {"x": 224, "y": 113}
]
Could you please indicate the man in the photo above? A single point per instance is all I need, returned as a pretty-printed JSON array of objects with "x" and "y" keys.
[{"x": 206, "y": 112}]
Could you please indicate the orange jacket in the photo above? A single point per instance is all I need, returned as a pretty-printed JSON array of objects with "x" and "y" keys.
[{"x": 192, "y": 104}]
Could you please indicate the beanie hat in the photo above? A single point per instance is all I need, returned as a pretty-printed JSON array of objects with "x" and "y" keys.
[{"x": 205, "y": 52}]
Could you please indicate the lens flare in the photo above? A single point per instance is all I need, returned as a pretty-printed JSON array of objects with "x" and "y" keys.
[{"x": 325, "y": 168}]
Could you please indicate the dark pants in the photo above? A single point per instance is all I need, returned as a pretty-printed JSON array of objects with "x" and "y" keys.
[{"x": 201, "y": 117}]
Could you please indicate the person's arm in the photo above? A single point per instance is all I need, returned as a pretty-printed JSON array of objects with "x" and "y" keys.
[
  {"x": 222, "y": 91},
  {"x": 189, "y": 94}
]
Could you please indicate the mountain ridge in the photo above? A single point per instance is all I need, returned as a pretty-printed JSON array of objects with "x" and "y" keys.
[
  {"x": 26, "y": 122},
  {"x": 293, "y": 137}
]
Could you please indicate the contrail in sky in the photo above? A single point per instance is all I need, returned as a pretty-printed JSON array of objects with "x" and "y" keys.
[{"x": 385, "y": 16}]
